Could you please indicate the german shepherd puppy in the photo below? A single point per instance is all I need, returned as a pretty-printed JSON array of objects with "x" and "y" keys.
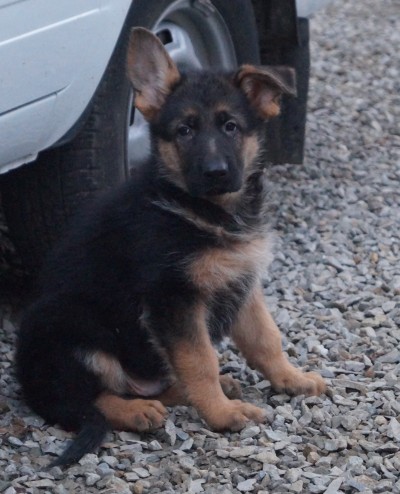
[{"x": 132, "y": 299}]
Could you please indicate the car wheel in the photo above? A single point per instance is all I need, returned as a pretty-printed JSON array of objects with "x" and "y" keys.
[{"x": 39, "y": 199}]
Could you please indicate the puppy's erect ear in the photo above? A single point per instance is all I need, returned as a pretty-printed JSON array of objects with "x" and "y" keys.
[
  {"x": 151, "y": 71},
  {"x": 264, "y": 86}
]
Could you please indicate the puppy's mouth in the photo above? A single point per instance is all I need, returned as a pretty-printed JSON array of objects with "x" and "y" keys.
[
  {"x": 219, "y": 190},
  {"x": 212, "y": 191}
]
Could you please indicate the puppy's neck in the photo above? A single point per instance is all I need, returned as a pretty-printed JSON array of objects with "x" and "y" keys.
[{"x": 241, "y": 215}]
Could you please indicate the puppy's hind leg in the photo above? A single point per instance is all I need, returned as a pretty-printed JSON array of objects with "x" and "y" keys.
[{"x": 55, "y": 383}]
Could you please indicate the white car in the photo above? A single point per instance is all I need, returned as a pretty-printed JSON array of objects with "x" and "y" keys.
[{"x": 67, "y": 125}]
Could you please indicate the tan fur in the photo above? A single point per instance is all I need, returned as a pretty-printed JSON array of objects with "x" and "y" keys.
[
  {"x": 175, "y": 395},
  {"x": 151, "y": 71},
  {"x": 265, "y": 102},
  {"x": 115, "y": 379},
  {"x": 259, "y": 339},
  {"x": 195, "y": 362},
  {"x": 172, "y": 161},
  {"x": 186, "y": 113},
  {"x": 190, "y": 112},
  {"x": 228, "y": 200},
  {"x": 263, "y": 87},
  {"x": 250, "y": 150},
  {"x": 196, "y": 367},
  {"x": 109, "y": 369},
  {"x": 136, "y": 415},
  {"x": 215, "y": 268},
  {"x": 224, "y": 108}
]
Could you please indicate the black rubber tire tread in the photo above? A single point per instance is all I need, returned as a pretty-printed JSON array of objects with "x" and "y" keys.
[
  {"x": 285, "y": 138},
  {"x": 286, "y": 135},
  {"x": 240, "y": 19},
  {"x": 40, "y": 198}
]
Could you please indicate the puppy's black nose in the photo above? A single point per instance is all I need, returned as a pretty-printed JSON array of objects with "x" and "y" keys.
[{"x": 215, "y": 169}]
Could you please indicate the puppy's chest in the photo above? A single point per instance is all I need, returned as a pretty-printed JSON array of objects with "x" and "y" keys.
[{"x": 216, "y": 268}]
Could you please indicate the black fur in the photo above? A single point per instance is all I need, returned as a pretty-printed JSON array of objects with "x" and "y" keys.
[{"x": 123, "y": 263}]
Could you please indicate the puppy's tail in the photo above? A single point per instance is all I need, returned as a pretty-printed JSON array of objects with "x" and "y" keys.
[{"x": 90, "y": 437}]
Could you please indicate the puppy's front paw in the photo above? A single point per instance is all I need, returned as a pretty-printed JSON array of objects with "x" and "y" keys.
[
  {"x": 235, "y": 415},
  {"x": 295, "y": 382}
]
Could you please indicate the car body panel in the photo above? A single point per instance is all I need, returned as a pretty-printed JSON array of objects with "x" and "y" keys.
[
  {"x": 53, "y": 56},
  {"x": 19, "y": 139}
]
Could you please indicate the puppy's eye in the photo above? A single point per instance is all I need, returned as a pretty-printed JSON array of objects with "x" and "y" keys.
[
  {"x": 230, "y": 127},
  {"x": 184, "y": 130}
]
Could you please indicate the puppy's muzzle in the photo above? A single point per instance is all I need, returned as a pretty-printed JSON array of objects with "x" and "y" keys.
[{"x": 215, "y": 170}]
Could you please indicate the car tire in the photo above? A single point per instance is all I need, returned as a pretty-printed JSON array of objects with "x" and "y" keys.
[
  {"x": 286, "y": 135},
  {"x": 39, "y": 199},
  {"x": 284, "y": 40}
]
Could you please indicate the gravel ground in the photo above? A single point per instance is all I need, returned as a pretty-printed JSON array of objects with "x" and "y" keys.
[{"x": 334, "y": 289}]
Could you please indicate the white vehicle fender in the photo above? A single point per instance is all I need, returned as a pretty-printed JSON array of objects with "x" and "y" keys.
[{"x": 53, "y": 57}]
